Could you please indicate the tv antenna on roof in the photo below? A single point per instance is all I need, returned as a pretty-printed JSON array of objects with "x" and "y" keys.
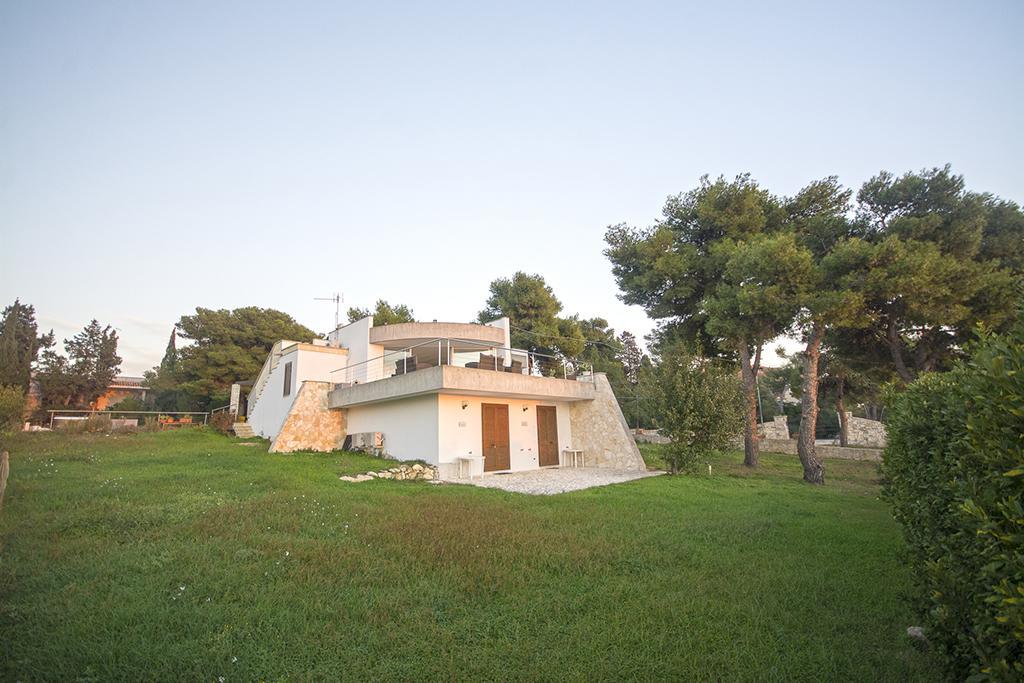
[{"x": 337, "y": 299}]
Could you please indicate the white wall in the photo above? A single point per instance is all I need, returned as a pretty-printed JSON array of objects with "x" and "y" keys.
[
  {"x": 356, "y": 338},
  {"x": 409, "y": 426},
  {"x": 272, "y": 408},
  {"x": 460, "y": 431},
  {"x": 503, "y": 323}
]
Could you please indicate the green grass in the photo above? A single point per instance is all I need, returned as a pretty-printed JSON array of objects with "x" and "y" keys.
[{"x": 183, "y": 556}]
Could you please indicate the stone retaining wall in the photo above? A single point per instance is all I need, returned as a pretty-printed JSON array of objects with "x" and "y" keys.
[
  {"x": 311, "y": 425},
  {"x": 778, "y": 428},
  {"x": 788, "y": 447},
  {"x": 864, "y": 432},
  {"x": 600, "y": 430}
]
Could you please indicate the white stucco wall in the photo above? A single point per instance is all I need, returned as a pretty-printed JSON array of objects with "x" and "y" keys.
[
  {"x": 409, "y": 426},
  {"x": 272, "y": 408},
  {"x": 460, "y": 431},
  {"x": 356, "y": 338}
]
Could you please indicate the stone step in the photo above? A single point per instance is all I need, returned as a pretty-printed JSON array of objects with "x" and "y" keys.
[{"x": 243, "y": 430}]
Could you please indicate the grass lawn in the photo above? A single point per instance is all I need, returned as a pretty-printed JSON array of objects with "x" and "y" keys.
[{"x": 184, "y": 556}]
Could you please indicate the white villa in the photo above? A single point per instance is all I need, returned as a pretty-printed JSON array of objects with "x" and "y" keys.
[{"x": 454, "y": 395}]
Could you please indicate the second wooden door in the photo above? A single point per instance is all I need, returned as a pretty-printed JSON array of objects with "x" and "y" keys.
[{"x": 547, "y": 436}]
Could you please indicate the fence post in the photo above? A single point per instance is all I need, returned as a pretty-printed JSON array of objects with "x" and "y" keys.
[{"x": 5, "y": 469}]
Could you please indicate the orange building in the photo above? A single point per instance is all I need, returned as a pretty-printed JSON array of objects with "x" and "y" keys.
[{"x": 121, "y": 388}]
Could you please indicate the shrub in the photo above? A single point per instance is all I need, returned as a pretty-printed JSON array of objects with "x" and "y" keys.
[
  {"x": 12, "y": 407},
  {"x": 129, "y": 404},
  {"x": 700, "y": 407},
  {"x": 222, "y": 421},
  {"x": 955, "y": 477}
]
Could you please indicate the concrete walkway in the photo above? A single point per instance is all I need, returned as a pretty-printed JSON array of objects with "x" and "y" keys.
[{"x": 548, "y": 482}]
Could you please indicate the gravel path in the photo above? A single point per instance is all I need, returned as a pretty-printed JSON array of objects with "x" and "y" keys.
[{"x": 548, "y": 482}]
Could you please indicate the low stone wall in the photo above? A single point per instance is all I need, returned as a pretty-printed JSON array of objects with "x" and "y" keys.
[
  {"x": 649, "y": 436},
  {"x": 778, "y": 428},
  {"x": 788, "y": 447},
  {"x": 600, "y": 430},
  {"x": 864, "y": 432},
  {"x": 311, "y": 425}
]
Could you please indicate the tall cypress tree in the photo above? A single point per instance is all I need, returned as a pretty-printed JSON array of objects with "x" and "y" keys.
[{"x": 20, "y": 343}]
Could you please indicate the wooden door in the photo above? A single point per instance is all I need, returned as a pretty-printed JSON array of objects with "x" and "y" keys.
[
  {"x": 497, "y": 454},
  {"x": 547, "y": 436}
]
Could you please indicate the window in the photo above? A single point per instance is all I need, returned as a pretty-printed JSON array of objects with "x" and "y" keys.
[{"x": 288, "y": 379}]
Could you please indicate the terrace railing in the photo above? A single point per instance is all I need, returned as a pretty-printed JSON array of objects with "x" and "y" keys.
[{"x": 459, "y": 353}]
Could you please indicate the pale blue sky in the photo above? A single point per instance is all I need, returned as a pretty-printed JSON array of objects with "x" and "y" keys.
[{"x": 159, "y": 156}]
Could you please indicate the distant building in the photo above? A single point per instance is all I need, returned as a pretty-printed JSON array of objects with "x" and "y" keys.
[{"x": 121, "y": 388}]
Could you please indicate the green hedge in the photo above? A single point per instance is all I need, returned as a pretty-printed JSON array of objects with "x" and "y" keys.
[{"x": 954, "y": 471}]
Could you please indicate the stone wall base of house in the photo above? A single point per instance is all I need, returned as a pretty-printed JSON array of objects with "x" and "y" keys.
[
  {"x": 311, "y": 425},
  {"x": 600, "y": 430},
  {"x": 788, "y": 447}
]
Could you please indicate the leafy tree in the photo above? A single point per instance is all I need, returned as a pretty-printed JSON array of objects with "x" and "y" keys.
[
  {"x": 164, "y": 381},
  {"x": 720, "y": 271},
  {"x": 944, "y": 260},
  {"x": 78, "y": 378},
  {"x": 20, "y": 343},
  {"x": 833, "y": 295},
  {"x": 531, "y": 306},
  {"x": 12, "y": 407},
  {"x": 700, "y": 405},
  {"x": 631, "y": 357},
  {"x": 225, "y": 346},
  {"x": 765, "y": 281},
  {"x": 383, "y": 314}
]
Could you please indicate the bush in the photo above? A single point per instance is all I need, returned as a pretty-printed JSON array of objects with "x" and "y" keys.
[
  {"x": 12, "y": 407},
  {"x": 955, "y": 477},
  {"x": 129, "y": 404},
  {"x": 222, "y": 421},
  {"x": 700, "y": 406}
]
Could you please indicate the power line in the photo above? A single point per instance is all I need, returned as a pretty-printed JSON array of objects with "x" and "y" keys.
[{"x": 555, "y": 336}]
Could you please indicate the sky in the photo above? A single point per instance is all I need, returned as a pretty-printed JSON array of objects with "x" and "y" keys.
[{"x": 156, "y": 157}]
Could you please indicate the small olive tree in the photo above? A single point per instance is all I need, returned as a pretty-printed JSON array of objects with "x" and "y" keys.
[{"x": 700, "y": 406}]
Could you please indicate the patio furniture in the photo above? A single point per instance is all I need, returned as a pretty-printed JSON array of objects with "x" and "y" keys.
[
  {"x": 515, "y": 368},
  {"x": 405, "y": 365},
  {"x": 467, "y": 462},
  {"x": 575, "y": 455},
  {"x": 488, "y": 362}
]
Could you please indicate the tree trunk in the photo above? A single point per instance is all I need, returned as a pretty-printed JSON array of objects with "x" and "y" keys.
[
  {"x": 844, "y": 424},
  {"x": 896, "y": 351},
  {"x": 751, "y": 450},
  {"x": 814, "y": 469}
]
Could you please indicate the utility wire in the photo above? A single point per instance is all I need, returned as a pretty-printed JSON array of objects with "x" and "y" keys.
[{"x": 555, "y": 336}]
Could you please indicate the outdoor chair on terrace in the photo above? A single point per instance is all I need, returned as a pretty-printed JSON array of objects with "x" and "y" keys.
[
  {"x": 488, "y": 362},
  {"x": 405, "y": 365}
]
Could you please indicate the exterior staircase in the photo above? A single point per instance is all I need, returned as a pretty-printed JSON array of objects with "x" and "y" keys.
[{"x": 243, "y": 430}]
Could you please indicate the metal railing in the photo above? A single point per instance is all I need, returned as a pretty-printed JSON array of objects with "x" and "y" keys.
[
  {"x": 464, "y": 353},
  {"x": 85, "y": 414}
]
